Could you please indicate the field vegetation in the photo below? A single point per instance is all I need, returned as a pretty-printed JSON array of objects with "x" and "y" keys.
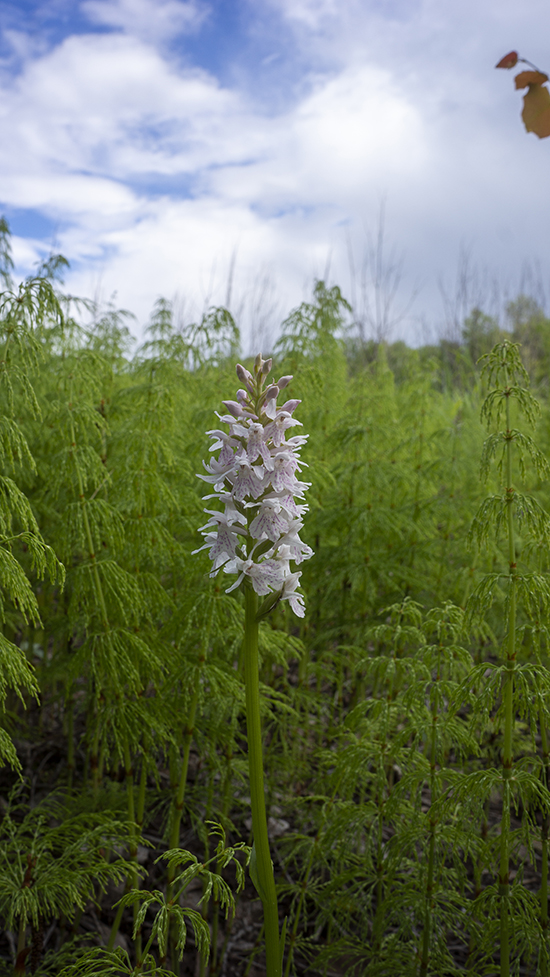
[{"x": 406, "y": 717}]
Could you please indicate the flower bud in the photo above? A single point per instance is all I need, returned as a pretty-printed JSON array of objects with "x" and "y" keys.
[
  {"x": 258, "y": 363},
  {"x": 246, "y": 378},
  {"x": 233, "y": 407},
  {"x": 283, "y": 382},
  {"x": 271, "y": 392},
  {"x": 243, "y": 373},
  {"x": 266, "y": 366}
]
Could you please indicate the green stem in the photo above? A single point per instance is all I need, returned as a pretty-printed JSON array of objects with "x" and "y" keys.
[
  {"x": 428, "y": 917},
  {"x": 94, "y": 760},
  {"x": 226, "y": 795},
  {"x": 101, "y": 761},
  {"x": 264, "y": 866},
  {"x": 182, "y": 782},
  {"x": 115, "y": 927},
  {"x": 177, "y": 810},
  {"x": 95, "y": 572},
  {"x": 133, "y": 876},
  {"x": 133, "y": 873},
  {"x": 206, "y": 903},
  {"x": 382, "y": 784},
  {"x": 255, "y": 951},
  {"x": 140, "y": 814},
  {"x": 70, "y": 738},
  {"x": 142, "y": 794},
  {"x": 19, "y": 969},
  {"x": 508, "y": 700},
  {"x": 385, "y": 773},
  {"x": 89, "y": 538},
  {"x": 303, "y": 889}
]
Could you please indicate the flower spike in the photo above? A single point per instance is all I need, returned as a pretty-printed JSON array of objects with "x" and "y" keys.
[{"x": 256, "y": 534}]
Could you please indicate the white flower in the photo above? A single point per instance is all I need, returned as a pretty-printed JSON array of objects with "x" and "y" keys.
[
  {"x": 222, "y": 540},
  {"x": 266, "y": 577},
  {"x": 282, "y": 475},
  {"x": 230, "y": 517},
  {"x": 256, "y": 446},
  {"x": 270, "y": 522},
  {"x": 279, "y": 425},
  {"x": 286, "y": 499},
  {"x": 295, "y": 600},
  {"x": 294, "y": 547},
  {"x": 246, "y": 479},
  {"x": 255, "y": 480}
]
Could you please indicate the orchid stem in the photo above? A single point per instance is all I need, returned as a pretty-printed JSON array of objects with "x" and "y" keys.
[{"x": 264, "y": 866}]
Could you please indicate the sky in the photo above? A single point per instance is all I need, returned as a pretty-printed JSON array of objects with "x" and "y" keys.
[{"x": 230, "y": 153}]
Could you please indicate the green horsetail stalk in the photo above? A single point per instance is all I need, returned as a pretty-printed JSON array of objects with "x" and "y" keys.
[{"x": 524, "y": 592}]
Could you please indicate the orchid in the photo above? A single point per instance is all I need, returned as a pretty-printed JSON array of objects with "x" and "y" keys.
[
  {"x": 255, "y": 479},
  {"x": 256, "y": 536}
]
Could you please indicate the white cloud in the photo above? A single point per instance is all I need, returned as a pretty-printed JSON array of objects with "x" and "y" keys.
[
  {"x": 100, "y": 110},
  {"x": 110, "y": 104},
  {"x": 26, "y": 252},
  {"x": 156, "y": 173},
  {"x": 23, "y": 45},
  {"x": 272, "y": 186},
  {"x": 150, "y": 20},
  {"x": 312, "y": 14}
]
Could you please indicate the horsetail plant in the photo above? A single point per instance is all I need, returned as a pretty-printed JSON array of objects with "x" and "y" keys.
[
  {"x": 381, "y": 745},
  {"x": 48, "y": 870},
  {"x": 513, "y": 687},
  {"x": 257, "y": 537},
  {"x": 22, "y": 312},
  {"x": 106, "y": 606}
]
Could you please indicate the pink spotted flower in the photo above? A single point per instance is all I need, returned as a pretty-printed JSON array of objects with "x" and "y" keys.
[{"x": 256, "y": 533}]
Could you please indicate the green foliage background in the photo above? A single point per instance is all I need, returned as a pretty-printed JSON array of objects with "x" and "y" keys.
[{"x": 121, "y": 684}]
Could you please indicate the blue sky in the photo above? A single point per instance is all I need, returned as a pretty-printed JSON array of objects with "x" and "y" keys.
[{"x": 165, "y": 147}]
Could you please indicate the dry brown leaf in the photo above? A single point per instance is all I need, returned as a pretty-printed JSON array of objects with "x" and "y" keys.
[
  {"x": 508, "y": 61},
  {"x": 530, "y": 78},
  {"x": 536, "y": 110}
]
